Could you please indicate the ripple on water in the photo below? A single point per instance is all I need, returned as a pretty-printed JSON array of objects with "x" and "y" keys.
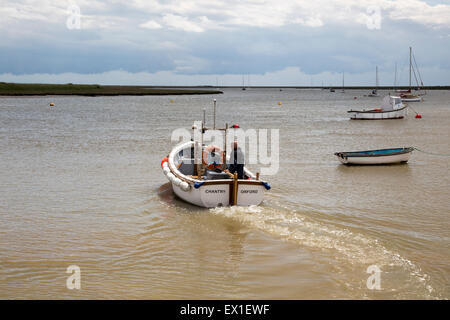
[{"x": 344, "y": 249}]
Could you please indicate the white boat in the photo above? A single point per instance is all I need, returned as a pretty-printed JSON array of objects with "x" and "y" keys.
[
  {"x": 374, "y": 157},
  {"x": 197, "y": 179},
  {"x": 410, "y": 97},
  {"x": 406, "y": 95},
  {"x": 392, "y": 108}
]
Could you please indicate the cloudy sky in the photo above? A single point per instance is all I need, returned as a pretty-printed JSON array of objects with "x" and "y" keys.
[{"x": 209, "y": 42}]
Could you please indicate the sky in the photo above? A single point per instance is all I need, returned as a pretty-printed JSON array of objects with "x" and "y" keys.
[{"x": 224, "y": 42}]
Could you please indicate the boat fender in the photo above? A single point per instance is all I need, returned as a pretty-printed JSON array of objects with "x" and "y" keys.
[
  {"x": 164, "y": 160},
  {"x": 266, "y": 185},
  {"x": 170, "y": 176},
  {"x": 177, "y": 181},
  {"x": 198, "y": 184},
  {"x": 185, "y": 186},
  {"x": 166, "y": 170}
]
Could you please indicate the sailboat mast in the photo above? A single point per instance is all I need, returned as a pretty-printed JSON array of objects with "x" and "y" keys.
[
  {"x": 376, "y": 77},
  {"x": 395, "y": 77},
  {"x": 410, "y": 67}
]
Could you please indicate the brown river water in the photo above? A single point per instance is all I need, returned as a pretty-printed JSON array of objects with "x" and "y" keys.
[{"x": 81, "y": 184}]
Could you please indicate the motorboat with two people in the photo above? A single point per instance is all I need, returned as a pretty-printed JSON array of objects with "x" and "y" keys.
[
  {"x": 391, "y": 108},
  {"x": 203, "y": 175}
]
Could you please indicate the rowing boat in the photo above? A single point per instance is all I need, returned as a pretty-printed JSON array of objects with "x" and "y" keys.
[{"x": 373, "y": 157}]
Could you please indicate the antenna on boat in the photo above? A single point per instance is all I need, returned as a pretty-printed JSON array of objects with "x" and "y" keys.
[
  {"x": 214, "y": 125},
  {"x": 204, "y": 117}
]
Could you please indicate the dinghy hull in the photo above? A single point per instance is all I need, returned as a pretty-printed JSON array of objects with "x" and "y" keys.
[
  {"x": 375, "y": 157},
  {"x": 418, "y": 99}
]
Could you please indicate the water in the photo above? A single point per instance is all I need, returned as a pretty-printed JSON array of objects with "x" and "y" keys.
[{"x": 81, "y": 184}]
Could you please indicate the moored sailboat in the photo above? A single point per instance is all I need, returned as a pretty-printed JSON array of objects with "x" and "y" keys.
[{"x": 407, "y": 96}]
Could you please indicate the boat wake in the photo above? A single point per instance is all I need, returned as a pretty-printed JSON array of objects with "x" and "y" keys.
[{"x": 348, "y": 252}]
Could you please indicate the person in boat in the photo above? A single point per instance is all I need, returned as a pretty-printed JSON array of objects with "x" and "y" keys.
[{"x": 237, "y": 161}]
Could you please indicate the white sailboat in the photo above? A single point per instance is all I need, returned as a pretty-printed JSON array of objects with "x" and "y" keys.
[{"x": 407, "y": 96}]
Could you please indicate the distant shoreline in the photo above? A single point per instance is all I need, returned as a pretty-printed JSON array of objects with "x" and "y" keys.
[
  {"x": 339, "y": 87},
  {"x": 94, "y": 90}
]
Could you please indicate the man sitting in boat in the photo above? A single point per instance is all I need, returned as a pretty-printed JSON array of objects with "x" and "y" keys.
[{"x": 237, "y": 161}]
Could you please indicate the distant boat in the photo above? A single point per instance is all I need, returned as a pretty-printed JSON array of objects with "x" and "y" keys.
[
  {"x": 332, "y": 90},
  {"x": 407, "y": 96},
  {"x": 374, "y": 157},
  {"x": 374, "y": 92},
  {"x": 391, "y": 108}
]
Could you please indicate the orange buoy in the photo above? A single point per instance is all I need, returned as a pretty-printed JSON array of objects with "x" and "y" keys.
[
  {"x": 418, "y": 116},
  {"x": 164, "y": 160}
]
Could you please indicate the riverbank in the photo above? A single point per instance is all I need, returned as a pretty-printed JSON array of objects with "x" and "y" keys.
[{"x": 33, "y": 89}]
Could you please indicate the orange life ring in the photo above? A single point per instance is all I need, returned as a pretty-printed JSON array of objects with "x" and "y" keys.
[{"x": 210, "y": 155}]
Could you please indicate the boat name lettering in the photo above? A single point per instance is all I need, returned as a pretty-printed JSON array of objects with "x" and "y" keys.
[
  {"x": 214, "y": 191},
  {"x": 249, "y": 191}
]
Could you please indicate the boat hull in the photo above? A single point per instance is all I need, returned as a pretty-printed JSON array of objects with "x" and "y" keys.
[
  {"x": 378, "y": 115},
  {"x": 218, "y": 195},
  {"x": 418, "y": 99},
  {"x": 375, "y": 157},
  {"x": 206, "y": 192}
]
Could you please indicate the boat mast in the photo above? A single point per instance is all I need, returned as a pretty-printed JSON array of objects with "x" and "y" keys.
[
  {"x": 214, "y": 123},
  {"x": 410, "y": 67},
  {"x": 376, "y": 77},
  {"x": 395, "y": 76}
]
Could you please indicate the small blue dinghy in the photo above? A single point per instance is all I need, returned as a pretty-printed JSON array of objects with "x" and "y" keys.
[{"x": 380, "y": 156}]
